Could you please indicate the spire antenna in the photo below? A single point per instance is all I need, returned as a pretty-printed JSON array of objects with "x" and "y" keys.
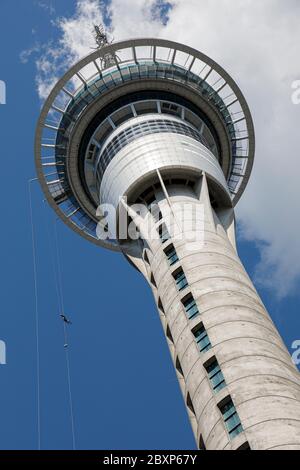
[
  {"x": 101, "y": 39},
  {"x": 100, "y": 36}
]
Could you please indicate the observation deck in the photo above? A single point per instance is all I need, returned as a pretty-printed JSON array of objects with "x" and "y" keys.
[{"x": 143, "y": 76}]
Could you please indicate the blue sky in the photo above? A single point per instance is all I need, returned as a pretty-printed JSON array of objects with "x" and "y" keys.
[{"x": 125, "y": 393}]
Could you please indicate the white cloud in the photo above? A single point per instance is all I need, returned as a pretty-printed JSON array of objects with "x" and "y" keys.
[
  {"x": 137, "y": 18},
  {"x": 75, "y": 41},
  {"x": 27, "y": 53},
  {"x": 47, "y": 6},
  {"x": 128, "y": 18},
  {"x": 258, "y": 43}
]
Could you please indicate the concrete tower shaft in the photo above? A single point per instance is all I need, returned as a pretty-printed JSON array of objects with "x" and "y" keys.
[
  {"x": 224, "y": 345},
  {"x": 164, "y": 136}
]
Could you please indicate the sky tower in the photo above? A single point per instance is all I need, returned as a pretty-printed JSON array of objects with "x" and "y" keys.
[{"x": 144, "y": 147}]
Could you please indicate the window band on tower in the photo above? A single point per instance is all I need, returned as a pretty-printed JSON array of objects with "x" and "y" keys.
[
  {"x": 231, "y": 418},
  {"x": 189, "y": 404},
  {"x": 152, "y": 280},
  {"x": 244, "y": 446},
  {"x": 215, "y": 375},
  {"x": 160, "y": 305},
  {"x": 190, "y": 306},
  {"x": 155, "y": 211},
  {"x": 141, "y": 129},
  {"x": 201, "y": 338},
  {"x": 178, "y": 366},
  {"x": 163, "y": 233},
  {"x": 171, "y": 255},
  {"x": 180, "y": 279},
  {"x": 201, "y": 443}
]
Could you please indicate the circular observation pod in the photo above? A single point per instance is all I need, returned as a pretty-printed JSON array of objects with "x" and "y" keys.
[{"x": 141, "y": 87}]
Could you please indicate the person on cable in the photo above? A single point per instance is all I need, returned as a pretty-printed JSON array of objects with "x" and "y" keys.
[{"x": 65, "y": 319}]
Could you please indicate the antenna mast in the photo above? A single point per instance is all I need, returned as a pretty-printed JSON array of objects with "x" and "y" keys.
[{"x": 101, "y": 40}]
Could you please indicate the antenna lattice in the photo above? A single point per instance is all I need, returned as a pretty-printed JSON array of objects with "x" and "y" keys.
[{"x": 102, "y": 40}]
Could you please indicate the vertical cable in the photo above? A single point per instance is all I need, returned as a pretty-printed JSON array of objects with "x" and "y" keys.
[
  {"x": 59, "y": 271},
  {"x": 36, "y": 316},
  {"x": 53, "y": 258},
  {"x": 70, "y": 390}
]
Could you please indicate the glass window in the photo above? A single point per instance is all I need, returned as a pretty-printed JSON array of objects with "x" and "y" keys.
[
  {"x": 171, "y": 255},
  {"x": 155, "y": 212},
  {"x": 231, "y": 419},
  {"x": 163, "y": 233},
  {"x": 178, "y": 366},
  {"x": 149, "y": 127},
  {"x": 153, "y": 280},
  {"x": 244, "y": 446},
  {"x": 215, "y": 376},
  {"x": 201, "y": 443},
  {"x": 190, "y": 307},
  {"x": 180, "y": 279},
  {"x": 202, "y": 338}
]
